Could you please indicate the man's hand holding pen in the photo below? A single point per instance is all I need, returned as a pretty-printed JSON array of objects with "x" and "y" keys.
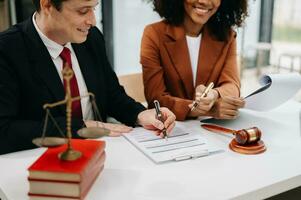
[
  {"x": 205, "y": 97},
  {"x": 149, "y": 120},
  {"x": 159, "y": 116}
]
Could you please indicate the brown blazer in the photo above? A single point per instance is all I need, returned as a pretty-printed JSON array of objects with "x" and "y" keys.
[{"x": 167, "y": 73}]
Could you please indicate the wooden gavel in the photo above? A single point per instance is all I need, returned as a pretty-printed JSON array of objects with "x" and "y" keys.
[{"x": 243, "y": 136}]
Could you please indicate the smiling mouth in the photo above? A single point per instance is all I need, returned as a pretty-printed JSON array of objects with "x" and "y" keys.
[
  {"x": 201, "y": 10},
  {"x": 86, "y": 30}
]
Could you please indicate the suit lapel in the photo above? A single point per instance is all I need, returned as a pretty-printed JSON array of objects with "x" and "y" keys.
[
  {"x": 87, "y": 66},
  {"x": 178, "y": 53},
  {"x": 209, "y": 53},
  {"x": 93, "y": 79},
  {"x": 42, "y": 62}
]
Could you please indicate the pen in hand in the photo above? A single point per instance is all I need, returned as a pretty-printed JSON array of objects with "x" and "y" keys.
[
  {"x": 204, "y": 94},
  {"x": 160, "y": 117}
]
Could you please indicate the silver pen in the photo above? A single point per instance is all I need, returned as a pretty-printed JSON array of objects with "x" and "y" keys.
[{"x": 160, "y": 117}]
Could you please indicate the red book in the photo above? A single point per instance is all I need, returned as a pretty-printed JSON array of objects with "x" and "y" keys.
[
  {"x": 50, "y": 167},
  {"x": 42, "y": 189}
]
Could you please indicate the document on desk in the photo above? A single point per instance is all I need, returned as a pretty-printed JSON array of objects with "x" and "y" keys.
[
  {"x": 275, "y": 90},
  {"x": 180, "y": 145}
]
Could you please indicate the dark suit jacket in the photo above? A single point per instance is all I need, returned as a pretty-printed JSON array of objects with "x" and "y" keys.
[
  {"x": 28, "y": 79},
  {"x": 167, "y": 72}
]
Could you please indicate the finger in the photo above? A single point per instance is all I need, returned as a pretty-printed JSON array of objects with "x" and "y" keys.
[
  {"x": 170, "y": 127},
  {"x": 222, "y": 116},
  {"x": 205, "y": 100},
  {"x": 197, "y": 110},
  {"x": 193, "y": 112},
  {"x": 229, "y": 100},
  {"x": 157, "y": 132},
  {"x": 166, "y": 112},
  {"x": 198, "y": 94},
  {"x": 121, "y": 126},
  {"x": 229, "y": 114},
  {"x": 238, "y": 102},
  {"x": 157, "y": 124},
  {"x": 161, "y": 135},
  {"x": 229, "y": 117},
  {"x": 226, "y": 106},
  {"x": 242, "y": 103},
  {"x": 228, "y": 111},
  {"x": 169, "y": 120},
  {"x": 200, "y": 111},
  {"x": 209, "y": 100},
  {"x": 200, "y": 88},
  {"x": 204, "y": 107},
  {"x": 117, "y": 127},
  {"x": 121, "y": 129},
  {"x": 115, "y": 134}
]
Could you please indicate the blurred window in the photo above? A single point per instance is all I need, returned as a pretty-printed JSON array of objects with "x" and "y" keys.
[{"x": 287, "y": 34}]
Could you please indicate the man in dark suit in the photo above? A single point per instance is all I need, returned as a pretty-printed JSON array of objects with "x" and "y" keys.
[{"x": 32, "y": 56}]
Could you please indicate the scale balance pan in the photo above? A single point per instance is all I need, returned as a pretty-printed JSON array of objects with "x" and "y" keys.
[
  {"x": 93, "y": 132},
  {"x": 49, "y": 141}
]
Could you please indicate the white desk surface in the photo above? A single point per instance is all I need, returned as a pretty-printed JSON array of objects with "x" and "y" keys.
[{"x": 128, "y": 174}]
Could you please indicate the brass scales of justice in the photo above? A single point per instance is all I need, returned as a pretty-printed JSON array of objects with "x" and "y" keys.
[{"x": 90, "y": 133}]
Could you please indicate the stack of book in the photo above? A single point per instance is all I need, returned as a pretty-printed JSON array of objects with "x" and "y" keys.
[{"x": 51, "y": 178}]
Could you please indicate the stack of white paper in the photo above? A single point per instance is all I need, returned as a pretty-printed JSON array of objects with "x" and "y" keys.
[{"x": 180, "y": 145}]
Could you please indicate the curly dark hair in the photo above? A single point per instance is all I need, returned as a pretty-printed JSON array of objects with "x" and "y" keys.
[{"x": 231, "y": 13}]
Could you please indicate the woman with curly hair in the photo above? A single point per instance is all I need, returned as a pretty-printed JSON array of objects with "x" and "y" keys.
[{"x": 193, "y": 45}]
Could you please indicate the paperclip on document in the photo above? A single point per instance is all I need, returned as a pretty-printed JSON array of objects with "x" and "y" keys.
[
  {"x": 193, "y": 155},
  {"x": 181, "y": 145}
]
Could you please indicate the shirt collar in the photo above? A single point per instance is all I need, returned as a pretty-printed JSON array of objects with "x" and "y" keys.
[{"x": 53, "y": 48}]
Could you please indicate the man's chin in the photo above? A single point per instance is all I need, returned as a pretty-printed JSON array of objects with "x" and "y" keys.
[{"x": 79, "y": 40}]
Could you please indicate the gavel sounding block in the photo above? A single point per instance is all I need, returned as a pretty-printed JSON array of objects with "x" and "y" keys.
[{"x": 253, "y": 148}]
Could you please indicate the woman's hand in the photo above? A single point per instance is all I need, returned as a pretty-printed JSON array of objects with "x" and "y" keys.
[
  {"x": 205, "y": 103},
  {"x": 227, "y": 107}
]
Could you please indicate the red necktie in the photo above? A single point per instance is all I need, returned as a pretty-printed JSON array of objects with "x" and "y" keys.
[{"x": 76, "y": 106}]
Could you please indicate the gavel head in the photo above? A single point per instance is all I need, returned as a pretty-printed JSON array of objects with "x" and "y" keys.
[{"x": 248, "y": 136}]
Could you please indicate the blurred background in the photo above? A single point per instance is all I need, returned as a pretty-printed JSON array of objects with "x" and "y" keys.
[{"x": 269, "y": 42}]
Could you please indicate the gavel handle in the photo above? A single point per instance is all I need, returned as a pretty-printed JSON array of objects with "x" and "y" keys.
[{"x": 218, "y": 129}]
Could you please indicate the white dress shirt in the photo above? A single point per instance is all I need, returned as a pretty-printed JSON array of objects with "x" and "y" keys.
[
  {"x": 194, "y": 44},
  {"x": 54, "y": 50}
]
